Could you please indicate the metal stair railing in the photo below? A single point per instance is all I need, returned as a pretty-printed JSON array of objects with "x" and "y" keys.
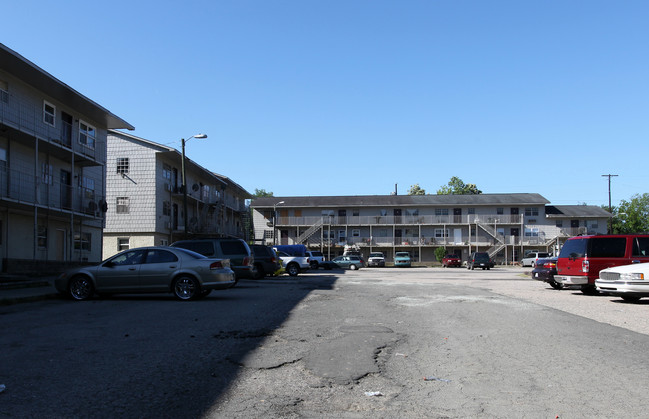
[{"x": 309, "y": 232}]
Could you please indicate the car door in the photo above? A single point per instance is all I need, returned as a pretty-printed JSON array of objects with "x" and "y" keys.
[
  {"x": 121, "y": 273},
  {"x": 157, "y": 270}
]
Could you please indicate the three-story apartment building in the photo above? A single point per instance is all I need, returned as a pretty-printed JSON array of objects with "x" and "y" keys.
[
  {"x": 505, "y": 225},
  {"x": 52, "y": 168},
  {"x": 145, "y": 197}
]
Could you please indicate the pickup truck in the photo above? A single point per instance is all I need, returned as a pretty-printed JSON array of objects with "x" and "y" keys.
[
  {"x": 293, "y": 264},
  {"x": 315, "y": 258}
]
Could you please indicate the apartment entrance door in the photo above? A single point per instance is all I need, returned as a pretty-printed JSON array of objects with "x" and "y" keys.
[{"x": 66, "y": 189}]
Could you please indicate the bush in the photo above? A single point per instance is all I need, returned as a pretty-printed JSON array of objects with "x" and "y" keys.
[{"x": 440, "y": 252}]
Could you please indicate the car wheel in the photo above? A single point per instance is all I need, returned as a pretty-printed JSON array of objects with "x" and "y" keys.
[
  {"x": 258, "y": 272},
  {"x": 81, "y": 288},
  {"x": 186, "y": 288},
  {"x": 314, "y": 265},
  {"x": 293, "y": 269},
  {"x": 555, "y": 285},
  {"x": 353, "y": 267}
]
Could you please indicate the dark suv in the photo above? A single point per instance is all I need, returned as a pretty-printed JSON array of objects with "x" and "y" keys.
[
  {"x": 479, "y": 260},
  {"x": 266, "y": 261},
  {"x": 237, "y": 250}
]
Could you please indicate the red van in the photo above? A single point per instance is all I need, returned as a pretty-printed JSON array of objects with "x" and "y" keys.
[{"x": 581, "y": 258}]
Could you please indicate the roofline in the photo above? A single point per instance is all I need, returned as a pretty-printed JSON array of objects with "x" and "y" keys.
[{"x": 23, "y": 69}]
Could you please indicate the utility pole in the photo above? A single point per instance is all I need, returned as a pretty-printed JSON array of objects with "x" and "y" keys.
[{"x": 610, "y": 209}]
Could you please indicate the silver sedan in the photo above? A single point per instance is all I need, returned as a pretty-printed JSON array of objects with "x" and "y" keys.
[{"x": 186, "y": 274}]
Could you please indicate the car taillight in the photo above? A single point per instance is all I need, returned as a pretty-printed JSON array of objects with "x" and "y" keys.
[
  {"x": 273, "y": 260},
  {"x": 246, "y": 261},
  {"x": 216, "y": 265},
  {"x": 585, "y": 266},
  {"x": 549, "y": 264}
]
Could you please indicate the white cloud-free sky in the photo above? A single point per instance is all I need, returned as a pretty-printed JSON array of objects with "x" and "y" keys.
[{"x": 351, "y": 97}]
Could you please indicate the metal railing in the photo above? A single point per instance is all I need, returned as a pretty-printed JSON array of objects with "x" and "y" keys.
[
  {"x": 28, "y": 189},
  {"x": 28, "y": 118},
  {"x": 385, "y": 220}
]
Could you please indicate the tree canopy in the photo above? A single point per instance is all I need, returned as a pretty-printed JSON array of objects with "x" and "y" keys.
[
  {"x": 416, "y": 190},
  {"x": 631, "y": 216},
  {"x": 261, "y": 193},
  {"x": 456, "y": 186}
]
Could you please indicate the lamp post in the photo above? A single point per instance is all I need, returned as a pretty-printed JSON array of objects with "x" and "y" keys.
[
  {"x": 183, "y": 141},
  {"x": 275, "y": 222}
]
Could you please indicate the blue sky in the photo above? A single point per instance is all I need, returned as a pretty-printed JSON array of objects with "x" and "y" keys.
[{"x": 351, "y": 97}]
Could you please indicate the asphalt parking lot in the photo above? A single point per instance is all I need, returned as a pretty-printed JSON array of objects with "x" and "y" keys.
[{"x": 516, "y": 282}]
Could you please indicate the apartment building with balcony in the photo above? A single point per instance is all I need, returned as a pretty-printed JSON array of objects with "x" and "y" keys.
[
  {"x": 505, "y": 225},
  {"x": 145, "y": 197},
  {"x": 52, "y": 168}
]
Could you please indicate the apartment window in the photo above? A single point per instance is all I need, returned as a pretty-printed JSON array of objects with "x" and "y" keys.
[
  {"x": 558, "y": 223},
  {"x": 88, "y": 185},
  {"x": 49, "y": 113},
  {"x": 471, "y": 211},
  {"x": 412, "y": 212},
  {"x": 383, "y": 213},
  {"x": 531, "y": 212},
  {"x": 500, "y": 211},
  {"x": 122, "y": 165},
  {"x": 4, "y": 91},
  {"x": 356, "y": 212},
  {"x": 166, "y": 172},
  {"x": 123, "y": 243},
  {"x": 410, "y": 232},
  {"x": 82, "y": 241},
  {"x": 356, "y": 233},
  {"x": 41, "y": 237},
  {"x": 166, "y": 208},
  {"x": 164, "y": 242},
  {"x": 268, "y": 234},
  {"x": 205, "y": 193},
  {"x": 441, "y": 232},
  {"x": 342, "y": 236},
  {"x": 122, "y": 205},
  {"x": 87, "y": 135},
  {"x": 441, "y": 211},
  {"x": 46, "y": 174},
  {"x": 531, "y": 232}
]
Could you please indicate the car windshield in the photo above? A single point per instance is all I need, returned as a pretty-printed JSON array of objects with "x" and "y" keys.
[
  {"x": 403, "y": 255},
  {"x": 452, "y": 256},
  {"x": 376, "y": 255},
  {"x": 481, "y": 256}
]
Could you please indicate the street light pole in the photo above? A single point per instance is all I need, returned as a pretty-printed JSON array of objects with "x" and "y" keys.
[
  {"x": 184, "y": 175},
  {"x": 275, "y": 222}
]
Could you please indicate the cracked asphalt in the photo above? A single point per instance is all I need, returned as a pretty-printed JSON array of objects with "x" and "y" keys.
[{"x": 380, "y": 343}]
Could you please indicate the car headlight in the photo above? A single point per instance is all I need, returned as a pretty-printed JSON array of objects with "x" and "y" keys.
[{"x": 632, "y": 276}]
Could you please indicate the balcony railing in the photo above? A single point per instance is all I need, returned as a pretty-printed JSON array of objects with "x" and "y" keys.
[
  {"x": 385, "y": 220},
  {"x": 28, "y": 118},
  {"x": 28, "y": 189},
  {"x": 391, "y": 241}
]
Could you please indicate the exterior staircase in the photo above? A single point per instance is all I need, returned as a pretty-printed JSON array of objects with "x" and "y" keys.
[
  {"x": 500, "y": 239},
  {"x": 309, "y": 232}
]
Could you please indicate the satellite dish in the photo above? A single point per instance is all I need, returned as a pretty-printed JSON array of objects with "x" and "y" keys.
[{"x": 195, "y": 187}]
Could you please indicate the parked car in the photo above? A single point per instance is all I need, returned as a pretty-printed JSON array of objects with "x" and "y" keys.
[
  {"x": 266, "y": 261},
  {"x": 451, "y": 260},
  {"x": 583, "y": 257},
  {"x": 315, "y": 258},
  {"x": 402, "y": 259},
  {"x": 628, "y": 281},
  {"x": 376, "y": 259},
  {"x": 186, "y": 274},
  {"x": 545, "y": 270},
  {"x": 237, "y": 250},
  {"x": 479, "y": 260},
  {"x": 531, "y": 258},
  {"x": 349, "y": 262},
  {"x": 293, "y": 264}
]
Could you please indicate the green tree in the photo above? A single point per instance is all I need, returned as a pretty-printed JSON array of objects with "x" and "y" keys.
[
  {"x": 261, "y": 193},
  {"x": 416, "y": 190},
  {"x": 456, "y": 186},
  {"x": 440, "y": 252},
  {"x": 631, "y": 216}
]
